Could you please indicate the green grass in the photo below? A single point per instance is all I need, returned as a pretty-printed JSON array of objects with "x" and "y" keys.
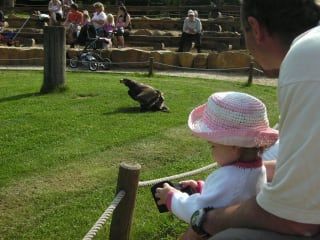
[{"x": 60, "y": 152}]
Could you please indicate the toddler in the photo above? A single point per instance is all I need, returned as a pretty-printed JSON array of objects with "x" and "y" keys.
[
  {"x": 109, "y": 26},
  {"x": 236, "y": 127}
]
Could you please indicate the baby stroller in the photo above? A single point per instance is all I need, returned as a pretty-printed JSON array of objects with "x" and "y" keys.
[{"x": 90, "y": 56}]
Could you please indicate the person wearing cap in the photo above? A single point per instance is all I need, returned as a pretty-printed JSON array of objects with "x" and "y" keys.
[
  {"x": 284, "y": 38},
  {"x": 237, "y": 129},
  {"x": 191, "y": 32}
]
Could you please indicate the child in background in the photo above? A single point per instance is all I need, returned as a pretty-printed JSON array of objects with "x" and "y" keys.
[
  {"x": 123, "y": 22},
  {"x": 109, "y": 26},
  {"x": 236, "y": 127},
  {"x": 86, "y": 17},
  {"x": 55, "y": 12}
]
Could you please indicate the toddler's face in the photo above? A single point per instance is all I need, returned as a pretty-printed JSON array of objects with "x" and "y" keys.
[{"x": 223, "y": 154}]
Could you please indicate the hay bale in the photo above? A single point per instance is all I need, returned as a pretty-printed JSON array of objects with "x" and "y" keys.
[
  {"x": 106, "y": 53},
  {"x": 200, "y": 60},
  {"x": 233, "y": 59},
  {"x": 165, "y": 57},
  {"x": 72, "y": 52},
  {"x": 185, "y": 59},
  {"x": 158, "y": 33},
  {"x": 127, "y": 55},
  {"x": 145, "y": 32},
  {"x": 212, "y": 60}
]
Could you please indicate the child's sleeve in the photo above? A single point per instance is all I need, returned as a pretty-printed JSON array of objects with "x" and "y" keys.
[{"x": 216, "y": 191}]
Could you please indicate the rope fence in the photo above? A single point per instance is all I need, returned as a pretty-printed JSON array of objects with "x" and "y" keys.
[
  {"x": 104, "y": 217},
  {"x": 122, "y": 193},
  {"x": 178, "y": 176},
  {"x": 151, "y": 65}
]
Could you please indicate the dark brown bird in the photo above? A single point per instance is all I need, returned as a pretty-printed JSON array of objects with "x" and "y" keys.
[{"x": 150, "y": 99}]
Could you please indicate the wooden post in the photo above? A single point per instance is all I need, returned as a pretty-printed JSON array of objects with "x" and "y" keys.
[
  {"x": 250, "y": 73},
  {"x": 54, "y": 58},
  {"x": 150, "y": 66},
  {"x": 128, "y": 180}
]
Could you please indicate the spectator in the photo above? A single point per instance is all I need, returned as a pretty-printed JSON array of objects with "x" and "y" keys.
[
  {"x": 86, "y": 17},
  {"x": 214, "y": 11},
  {"x": 108, "y": 29},
  {"x": 42, "y": 18},
  {"x": 123, "y": 23},
  {"x": 109, "y": 26},
  {"x": 283, "y": 36},
  {"x": 3, "y": 23},
  {"x": 192, "y": 29},
  {"x": 55, "y": 12},
  {"x": 99, "y": 18},
  {"x": 87, "y": 30},
  {"x": 237, "y": 128},
  {"x": 73, "y": 24},
  {"x": 66, "y": 5}
]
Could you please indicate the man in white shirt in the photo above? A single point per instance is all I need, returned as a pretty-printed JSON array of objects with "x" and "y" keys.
[
  {"x": 285, "y": 36},
  {"x": 192, "y": 28}
]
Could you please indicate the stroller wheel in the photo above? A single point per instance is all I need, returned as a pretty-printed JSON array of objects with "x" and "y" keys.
[
  {"x": 93, "y": 65},
  {"x": 106, "y": 63},
  {"x": 74, "y": 62}
]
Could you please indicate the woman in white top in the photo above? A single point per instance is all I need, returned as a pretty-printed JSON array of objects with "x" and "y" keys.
[
  {"x": 55, "y": 11},
  {"x": 99, "y": 18}
]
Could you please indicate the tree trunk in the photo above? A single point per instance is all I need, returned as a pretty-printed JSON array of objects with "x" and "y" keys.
[{"x": 54, "y": 59}]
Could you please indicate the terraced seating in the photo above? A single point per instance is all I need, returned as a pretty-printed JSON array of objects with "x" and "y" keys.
[
  {"x": 150, "y": 11},
  {"x": 210, "y": 40}
]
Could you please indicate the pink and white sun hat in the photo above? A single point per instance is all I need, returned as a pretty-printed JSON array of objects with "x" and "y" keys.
[{"x": 233, "y": 119}]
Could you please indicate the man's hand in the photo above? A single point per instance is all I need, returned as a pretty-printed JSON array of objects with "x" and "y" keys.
[{"x": 190, "y": 235}]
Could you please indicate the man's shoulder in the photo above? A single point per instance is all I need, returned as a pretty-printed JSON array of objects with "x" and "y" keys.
[{"x": 311, "y": 36}]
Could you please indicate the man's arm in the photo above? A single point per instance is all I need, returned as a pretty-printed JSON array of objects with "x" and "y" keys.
[
  {"x": 270, "y": 168},
  {"x": 250, "y": 215}
]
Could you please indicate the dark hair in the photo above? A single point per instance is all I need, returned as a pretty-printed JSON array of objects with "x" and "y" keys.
[
  {"x": 250, "y": 154},
  {"x": 124, "y": 9},
  {"x": 1, "y": 16},
  {"x": 74, "y": 6},
  {"x": 285, "y": 18}
]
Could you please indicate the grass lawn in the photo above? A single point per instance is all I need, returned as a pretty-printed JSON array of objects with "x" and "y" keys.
[{"x": 60, "y": 153}]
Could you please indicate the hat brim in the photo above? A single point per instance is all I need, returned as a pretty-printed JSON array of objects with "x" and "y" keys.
[{"x": 248, "y": 137}]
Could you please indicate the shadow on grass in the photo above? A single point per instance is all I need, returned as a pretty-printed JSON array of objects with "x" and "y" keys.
[
  {"x": 124, "y": 110},
  {"x": 18, "y": 97}
]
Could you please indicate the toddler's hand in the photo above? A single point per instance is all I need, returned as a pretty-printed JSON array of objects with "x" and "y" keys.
[
  {"x": 162, "y": 193},
  {"x": 189, "y": 183}
]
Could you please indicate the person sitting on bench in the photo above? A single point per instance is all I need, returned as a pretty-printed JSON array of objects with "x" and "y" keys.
[{"x": 192, "y": 28}]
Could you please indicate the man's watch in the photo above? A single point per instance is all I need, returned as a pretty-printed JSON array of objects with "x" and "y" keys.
[{"x": 197, "y": 220}]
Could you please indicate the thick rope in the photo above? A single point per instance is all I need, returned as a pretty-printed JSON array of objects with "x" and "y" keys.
[
  {"x": 181, "y": 175},
  {"x": 202, "y": 69},
  {"x": 104, "y": 217},
  {"x": 146, "y": 64}
]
